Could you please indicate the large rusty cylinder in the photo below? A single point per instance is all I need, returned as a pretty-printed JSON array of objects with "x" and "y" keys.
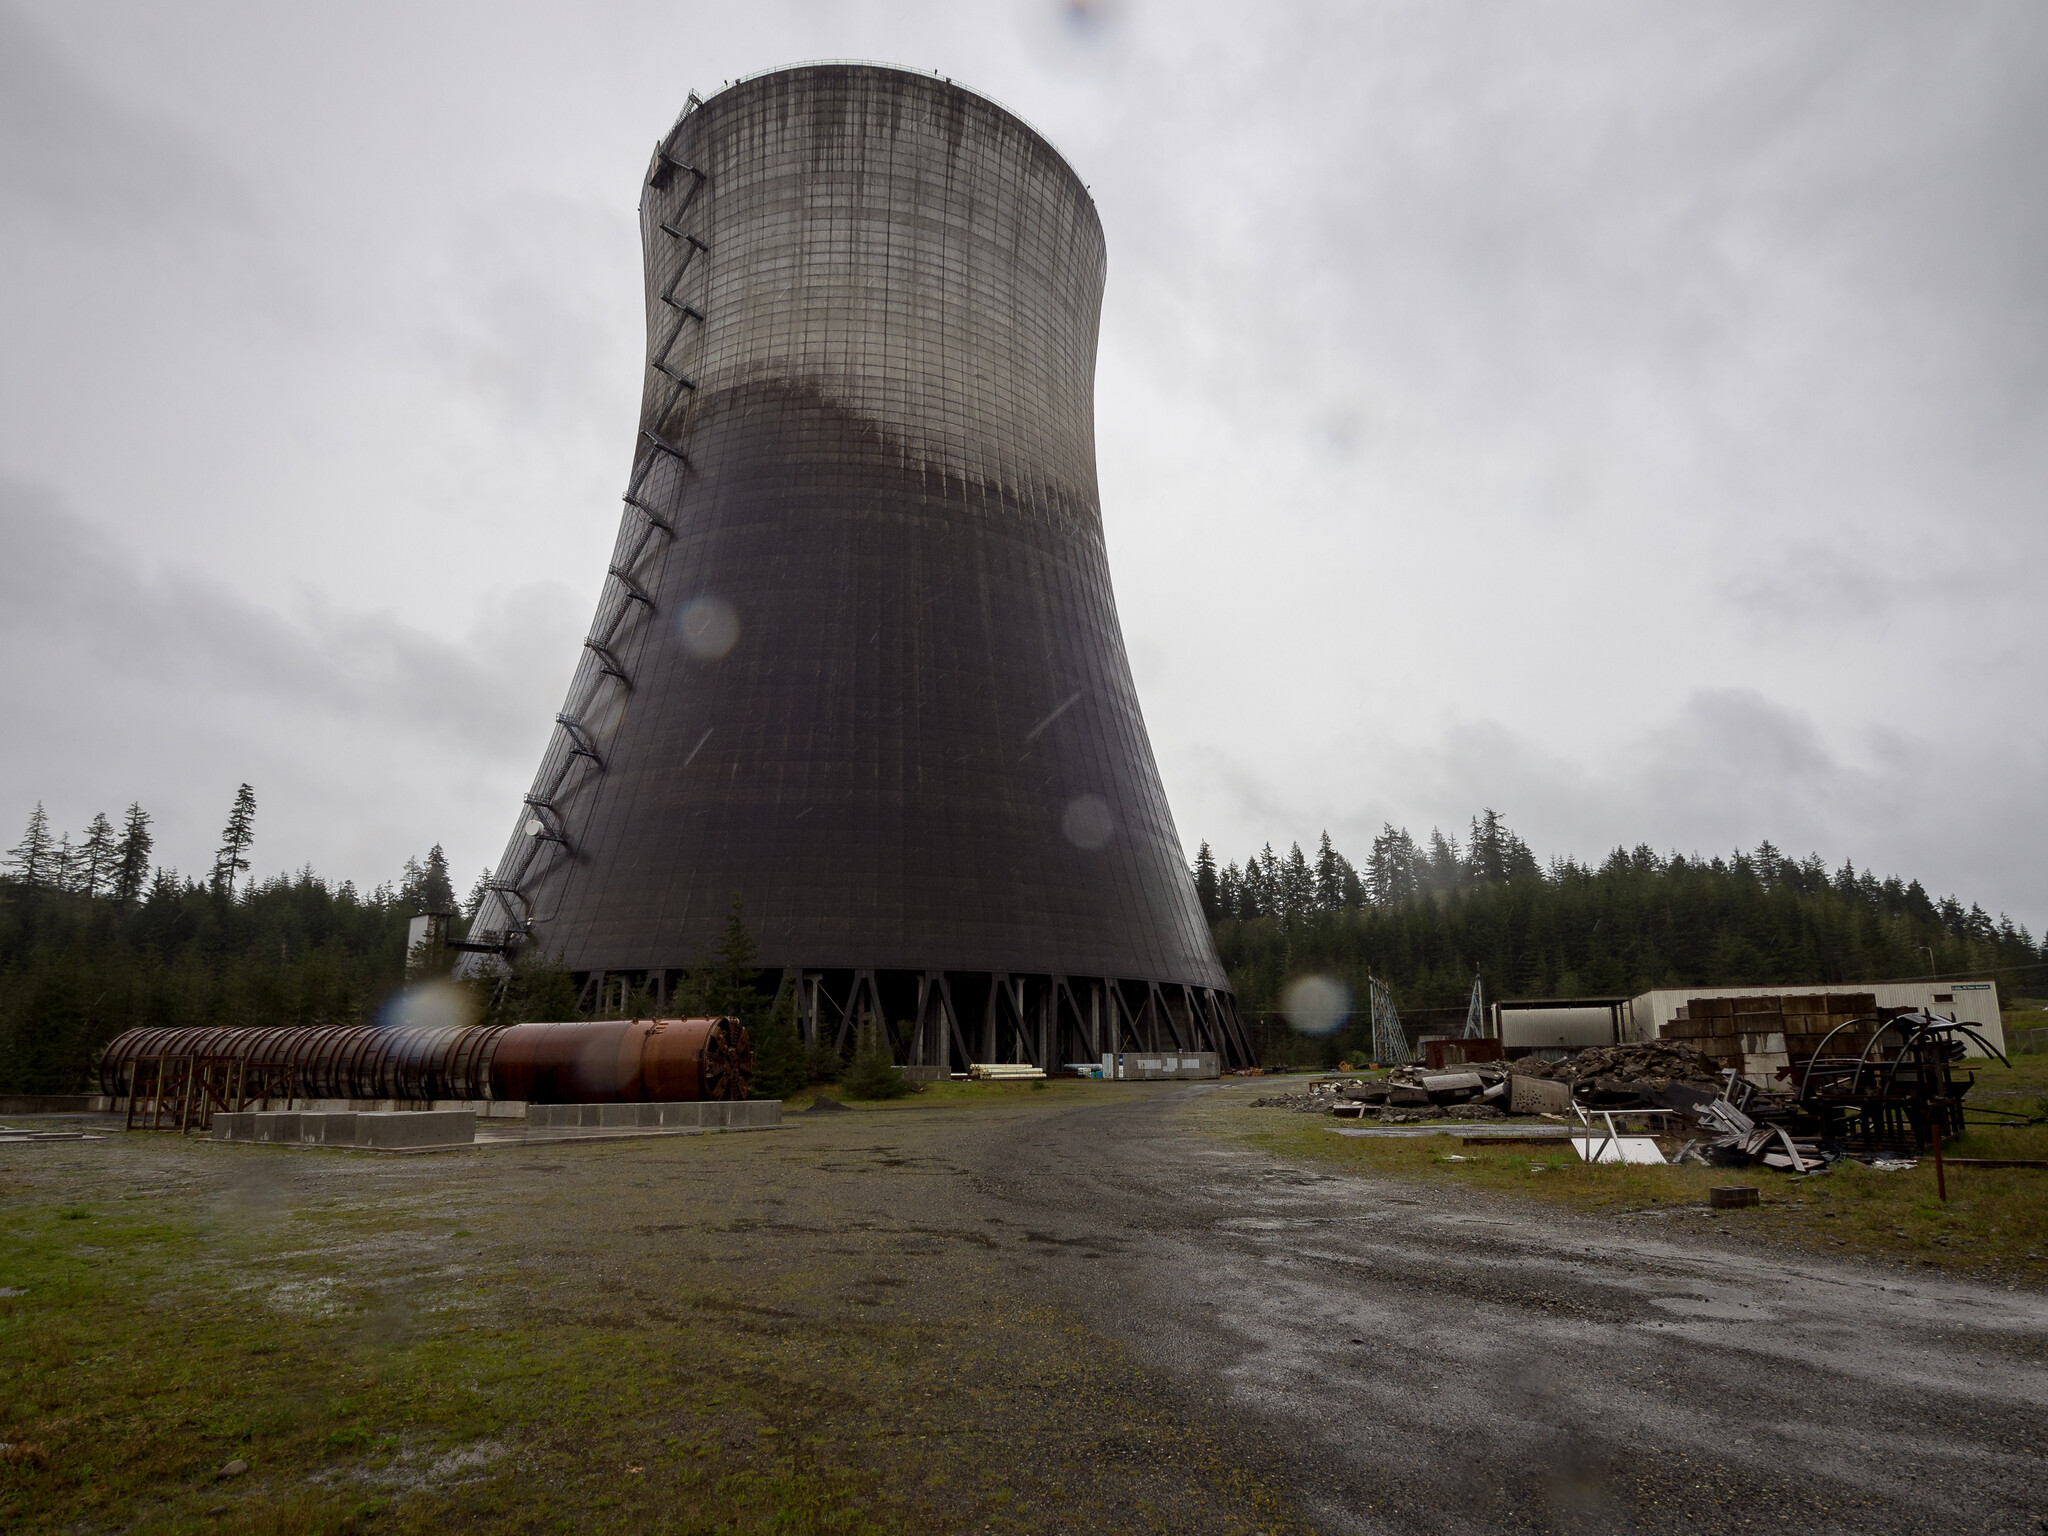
[
  {"x": 623, "y": 1062},
  {"x": 636, "y": 1061}
]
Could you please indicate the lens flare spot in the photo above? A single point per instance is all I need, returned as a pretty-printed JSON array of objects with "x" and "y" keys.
[
  {"x": 708, "y": 627},
  {"x": 1316, "y": 1005},
  {"x": 1087, "y": 822},
  {"x": 430, "y": 1005}
]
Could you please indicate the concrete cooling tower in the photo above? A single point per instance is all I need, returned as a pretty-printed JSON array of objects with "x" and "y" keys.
[{"x": 857, "y": 660}]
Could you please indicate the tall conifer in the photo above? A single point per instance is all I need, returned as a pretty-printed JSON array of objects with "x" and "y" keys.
[
  {"x": 29, "y": 860},
  {"x": 235, "y": 839},
  {"x": 131, "y": 854}
]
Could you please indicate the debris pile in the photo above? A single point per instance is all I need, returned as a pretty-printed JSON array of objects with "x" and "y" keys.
[
  {"x": 1713, "y": 1113},
  {"x": 1406, "y": 1095},
  {"x": 1730, "y": 1138},
  {"x": 1637, "y": 1076}
]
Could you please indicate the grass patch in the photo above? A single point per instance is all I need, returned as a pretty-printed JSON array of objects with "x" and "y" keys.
[
  {"x": 1994, "y": 1219},
  {"x": 619, "y": 1340}
]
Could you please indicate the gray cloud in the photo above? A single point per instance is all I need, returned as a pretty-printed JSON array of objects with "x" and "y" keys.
[
  {"x": 1724, "y": 770},
  {"x": 78, "y": 154},
  {"x": 336, "y": 715},
  {"x": 1495, "y": 404}
]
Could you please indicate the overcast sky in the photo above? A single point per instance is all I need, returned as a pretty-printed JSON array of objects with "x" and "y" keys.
[{"x": 1628, "y": 416}]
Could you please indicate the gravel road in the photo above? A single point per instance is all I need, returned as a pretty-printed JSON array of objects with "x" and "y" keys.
[{"x": 1433, "y": 1361}]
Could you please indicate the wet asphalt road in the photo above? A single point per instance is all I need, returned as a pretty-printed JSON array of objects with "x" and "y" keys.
[{"x": 1426, "y": 1360}]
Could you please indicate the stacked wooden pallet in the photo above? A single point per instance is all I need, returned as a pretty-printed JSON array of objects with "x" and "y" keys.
[{"x": 1762, "y": 1035}]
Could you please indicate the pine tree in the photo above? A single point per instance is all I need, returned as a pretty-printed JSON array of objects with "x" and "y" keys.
[
  {"x": 1297, "y": 884},
  {"x": 1486, "y": 853},
  {"x": 29, "y": 860},
  {"x": 1446, "y": 870},
  {"x": 1230, "y": 891},
  {"x": 778, "y": 1051},
  {"x": 1329, "y": 876},
  {"x": 96, "y": 857},
  {"x": 734, "y": 966},
  {"x": 235, "y": 839},
  {"x": 437, "y": 890},
  {"x": 131, "y": 854},
  {"x": 64, "y": 865},
  {"x": 1205, "y": 883},
  {"x": 1271, "y": 887},
  {"x": 1251, "y": 889}
]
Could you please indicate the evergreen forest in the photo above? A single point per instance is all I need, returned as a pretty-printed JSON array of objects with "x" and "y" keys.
[
  {"x": 1426, "y": 918},
  {"x": 95, "y": 937}
]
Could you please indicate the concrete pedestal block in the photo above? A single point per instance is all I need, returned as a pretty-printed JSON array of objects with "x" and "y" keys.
[
  {"x": 628, "y": 1117},
  {"x": 282, "y": 1127},
  {"x": 235, "y": 1127},
  {"x": 416, "y": 1128},
  {"x": 330, "y": 1128},
  {"x": 683, "y": 1115}
]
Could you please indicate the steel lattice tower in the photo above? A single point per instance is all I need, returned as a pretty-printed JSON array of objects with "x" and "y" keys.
[{"x": 857, "y": 659}]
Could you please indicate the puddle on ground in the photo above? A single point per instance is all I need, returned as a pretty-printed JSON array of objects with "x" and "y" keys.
[{"x": 1713, "y": 1311}]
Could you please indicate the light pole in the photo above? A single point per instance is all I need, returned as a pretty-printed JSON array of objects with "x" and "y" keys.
[{"x": 1928, "y": 951}]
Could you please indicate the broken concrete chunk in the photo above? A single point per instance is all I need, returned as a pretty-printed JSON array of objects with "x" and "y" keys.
[
  {"x": 1538, "y": 1096},
  {"x": 1452, "y": 1082}
]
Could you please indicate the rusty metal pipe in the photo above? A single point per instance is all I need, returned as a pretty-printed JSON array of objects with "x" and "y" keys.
[{"x": 621, "y": 1061}]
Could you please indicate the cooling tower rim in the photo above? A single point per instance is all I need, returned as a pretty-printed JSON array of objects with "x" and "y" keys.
[{"x": 950, "y": 82}]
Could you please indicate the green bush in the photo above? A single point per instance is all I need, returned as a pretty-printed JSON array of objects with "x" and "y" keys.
[{"x": 873, "y": 1074}]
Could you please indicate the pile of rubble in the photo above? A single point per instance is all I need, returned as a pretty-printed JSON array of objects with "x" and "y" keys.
[
  {"x": 1729, "y": 1138},
  {"x": 1727, "y": 1122},
  {"x": 1638, "y": 1076},
  {"x": 1410, "y": 1094}
]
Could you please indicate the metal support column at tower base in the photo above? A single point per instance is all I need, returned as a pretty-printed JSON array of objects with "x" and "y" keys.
[{"x": 946, "y": 1019}]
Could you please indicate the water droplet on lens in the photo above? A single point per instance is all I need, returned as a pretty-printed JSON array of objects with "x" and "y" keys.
[
  {"x": 708, "y": 627},
  {"x": 1087, "y": 822},
  {"x": 1317, "y": 1005}
]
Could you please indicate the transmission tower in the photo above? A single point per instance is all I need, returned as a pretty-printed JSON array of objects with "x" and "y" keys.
[
  {"x": 1475, "y": 1012},
  {"x": 1389, "y": 1039}
]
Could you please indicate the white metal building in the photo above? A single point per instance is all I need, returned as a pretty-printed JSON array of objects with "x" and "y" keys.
[{"x": 1967, "y": 1002}]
